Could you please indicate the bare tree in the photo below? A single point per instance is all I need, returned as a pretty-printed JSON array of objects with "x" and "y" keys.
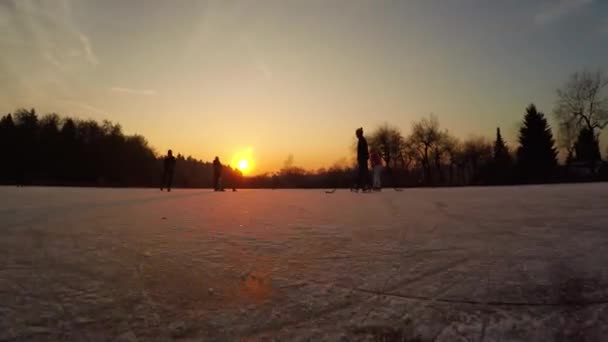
[
  {"x": 452, "y": 148},
  {"x": 584, "y": 100},
  {"x": 566, "y": 138},
  {"x": 389, "y": 141},
  {"x": 440, "y": 153},
  {"x": 583, "y": 105},
  {"x": 477, "y": 151},
  {"x": 407, "y": 155},
  {"x": 425, "y": 134},
  {"x": 460, "y": 162}
]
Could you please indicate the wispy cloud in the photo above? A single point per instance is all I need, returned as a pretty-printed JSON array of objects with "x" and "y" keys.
[
  {"x": 49, "y": 30},
  {"x": 85, "y": 106},
  {"x": 256, "y": 58},
  {"x": 49, "y": 57},
  {"x": 88, "y": 51},
  {"x": 557, "y": 9},
  {"x": 147, "y": 92},
  {"x": 41, "y": 46}
]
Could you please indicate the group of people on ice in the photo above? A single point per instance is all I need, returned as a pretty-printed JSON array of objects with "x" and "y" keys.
[
  {"x": 169, "y": 168},
  {"x": 363, "y": 181}
]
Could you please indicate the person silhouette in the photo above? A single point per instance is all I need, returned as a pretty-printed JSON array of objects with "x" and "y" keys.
[
  {"x": 376, "y": 169},
  {"x": 217, "y": 174},
  {"x": 168, "y": 168},
  {"x": 363, "y": 180}
]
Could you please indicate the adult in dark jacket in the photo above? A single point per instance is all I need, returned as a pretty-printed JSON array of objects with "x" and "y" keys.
[
  {"x": 168, "y": 168},
  {"x": 363, "y": 181}
]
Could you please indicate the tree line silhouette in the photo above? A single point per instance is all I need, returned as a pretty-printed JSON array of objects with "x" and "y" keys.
[
  {"x": 51, "y": 150},
  {"x": 431, "y": 156},
  {"x": 54, "y": 150}
]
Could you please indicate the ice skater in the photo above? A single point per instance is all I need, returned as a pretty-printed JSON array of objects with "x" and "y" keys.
[
  {"x": 168, "y": 168},
  {"x": 217, "y": 175},
  {"x": 362, "y": 179},
  {"x": 376, "y": 169}
]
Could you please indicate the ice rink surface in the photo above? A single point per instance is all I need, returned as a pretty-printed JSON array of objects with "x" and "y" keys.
[{"x": 463, "y": 264}]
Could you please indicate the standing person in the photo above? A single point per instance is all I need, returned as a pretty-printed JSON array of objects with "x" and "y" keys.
[
  {"x": 376, "y": 169},
  {"x": 168, "y": 168},
  {"x": 217, "y": 175},
  {"x": 362, "y": 160}
]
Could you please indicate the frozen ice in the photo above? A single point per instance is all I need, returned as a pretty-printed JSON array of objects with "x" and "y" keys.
[
  {"x": 487, "y": 263},
  {"x": 127, "y": 337}
]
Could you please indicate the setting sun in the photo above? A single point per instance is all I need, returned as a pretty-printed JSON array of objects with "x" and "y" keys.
[
  {"x": 243, "y": 165},
  {"x": 243, "y": 161}
]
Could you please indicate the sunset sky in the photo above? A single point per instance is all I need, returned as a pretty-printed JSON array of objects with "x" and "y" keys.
[{"x": 293, "y": 77}]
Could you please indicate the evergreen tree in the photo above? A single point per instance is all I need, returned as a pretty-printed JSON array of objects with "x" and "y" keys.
[
  {"x": 7, "y": 122},
  {"x": 587, "y": 148},
  {"x": 501, "y": 163},
  {"x": 7, "y": 148},
  {"x": 27, "y": 143},
  {"x": 501, "y": 151},
  {"x": 536, "y": 155}
]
